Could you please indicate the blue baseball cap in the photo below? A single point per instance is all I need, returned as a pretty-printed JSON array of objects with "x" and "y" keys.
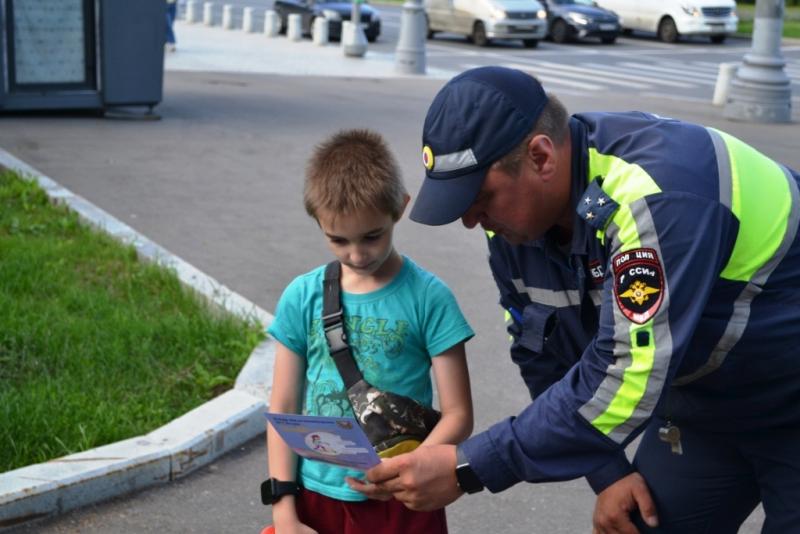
[{"x": 476, "y": 118}]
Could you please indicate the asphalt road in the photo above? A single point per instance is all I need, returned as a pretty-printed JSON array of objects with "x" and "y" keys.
[{"x": 218, "y": 182}]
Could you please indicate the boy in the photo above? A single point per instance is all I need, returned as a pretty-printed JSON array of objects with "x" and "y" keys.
[{"x": 399, "y": 320}]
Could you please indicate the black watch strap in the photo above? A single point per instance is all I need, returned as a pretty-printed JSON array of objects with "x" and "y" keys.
[
  {"x": 273, "y": 489},
  {"x": 468, "y": 481}
]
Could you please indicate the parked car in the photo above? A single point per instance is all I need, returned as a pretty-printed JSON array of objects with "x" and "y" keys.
[
  {"x": 484, "y": 20},
  {"x": 670, "y": 19},
  {"x": 334, "y": 12},
  {"x": 578, "y": 19}
]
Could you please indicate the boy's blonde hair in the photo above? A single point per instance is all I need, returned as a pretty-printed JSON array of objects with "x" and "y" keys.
[{"x": 351, "y": 171}]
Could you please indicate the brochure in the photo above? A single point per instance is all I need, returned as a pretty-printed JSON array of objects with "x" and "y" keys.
[{"x": 336, "y": 440}]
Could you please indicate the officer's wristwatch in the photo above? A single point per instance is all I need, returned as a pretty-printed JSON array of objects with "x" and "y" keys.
[
  {"x": 273, "y": 489},
  {"x": 468, "y": 481}
]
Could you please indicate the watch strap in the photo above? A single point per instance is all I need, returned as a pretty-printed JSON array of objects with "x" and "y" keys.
[
  {"x": 273, "y": 489},
  {"x": 466, "y": 478}
]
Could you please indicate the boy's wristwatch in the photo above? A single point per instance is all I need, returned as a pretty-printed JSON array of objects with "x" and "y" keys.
[
  {"x": 273, "y": 489},
  {"x": 468, "y": 481}
]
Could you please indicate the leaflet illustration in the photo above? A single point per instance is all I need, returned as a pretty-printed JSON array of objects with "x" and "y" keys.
[{"x": 335, "y": 440}]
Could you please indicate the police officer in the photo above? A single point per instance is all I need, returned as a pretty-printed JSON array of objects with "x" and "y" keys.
[{"x": 650, "y": 270}]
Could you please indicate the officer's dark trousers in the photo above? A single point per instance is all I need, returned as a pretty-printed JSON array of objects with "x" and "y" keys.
[{"x": 720, "y": 478}]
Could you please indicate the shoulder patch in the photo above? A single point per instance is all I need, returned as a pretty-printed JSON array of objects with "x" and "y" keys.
[
  {"x": 595, "y": 206},
  {"x": 638, "y": 283}
]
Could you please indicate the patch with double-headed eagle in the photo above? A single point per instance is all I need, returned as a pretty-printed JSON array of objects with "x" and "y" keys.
[{"x": 638, "y": 283}]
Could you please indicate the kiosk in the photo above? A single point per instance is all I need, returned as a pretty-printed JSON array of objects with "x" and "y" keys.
[{"x": 81, "y": 54}]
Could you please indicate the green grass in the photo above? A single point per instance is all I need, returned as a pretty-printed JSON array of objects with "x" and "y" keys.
[
  {"x": 791, "y": 20},
  {"x": 96, "y": 346}
]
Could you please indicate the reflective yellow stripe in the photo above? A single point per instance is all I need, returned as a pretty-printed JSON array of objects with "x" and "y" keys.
[
  {"x": 628, "y": 234},
  {"x": 757, "y": 183},
  {"x": 625, "y": 183},
  {"x": 634, "y": 382},
  {"x": 622, "y": 181}
]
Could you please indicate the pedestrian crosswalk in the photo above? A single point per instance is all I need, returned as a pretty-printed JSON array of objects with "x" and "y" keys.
[{"x": 624, "y": 73}]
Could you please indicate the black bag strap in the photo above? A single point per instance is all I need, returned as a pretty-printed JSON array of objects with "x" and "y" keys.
[{"x": 333, "y": 324}]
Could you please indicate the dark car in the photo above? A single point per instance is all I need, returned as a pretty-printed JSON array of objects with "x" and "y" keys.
[
  {"x": 334, "y": 12},
  {"x": 578, "y": 19}
]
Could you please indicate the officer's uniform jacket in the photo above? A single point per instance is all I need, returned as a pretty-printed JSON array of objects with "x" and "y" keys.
[{"x": 678, "y": 295}]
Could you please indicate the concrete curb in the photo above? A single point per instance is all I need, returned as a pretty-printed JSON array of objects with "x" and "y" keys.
[{"x": 168, "y": 453}]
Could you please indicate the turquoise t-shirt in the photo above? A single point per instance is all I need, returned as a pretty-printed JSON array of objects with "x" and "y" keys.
[{"x": 393, "y": 333}]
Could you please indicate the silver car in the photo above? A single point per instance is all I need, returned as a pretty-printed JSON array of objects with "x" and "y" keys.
[{"x": 484, "y": 20}]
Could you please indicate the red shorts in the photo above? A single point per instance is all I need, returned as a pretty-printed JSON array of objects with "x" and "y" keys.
[{"x": 331, "y": 516}]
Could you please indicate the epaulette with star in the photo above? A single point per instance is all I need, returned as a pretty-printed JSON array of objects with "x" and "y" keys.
[{"x": 595, "y": 206}]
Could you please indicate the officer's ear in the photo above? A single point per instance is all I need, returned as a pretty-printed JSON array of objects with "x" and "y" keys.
[{"x": 542, "y": 154}]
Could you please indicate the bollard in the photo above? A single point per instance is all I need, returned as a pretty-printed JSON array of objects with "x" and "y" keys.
[
  {"x": 272, "y": 23},
  {"x": 208, "y": 13},
  {"x": 761, "y": 91},
  {"x": 410, "y": 52},
  {"x": 294, "y": 28},
  {"x": 248, "y": 24},
  {"x": 354, "y": 42},
  {"x": 320, "y": 31},
  {"x": 726, "y": 73},
  {"x": 227, "y": 17},
  {"x": 192, "y": 12}
]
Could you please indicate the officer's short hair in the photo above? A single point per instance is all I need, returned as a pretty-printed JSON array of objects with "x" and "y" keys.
[
  {"x": 351, "y": 171},
  {"x": 553, "y": 122}
]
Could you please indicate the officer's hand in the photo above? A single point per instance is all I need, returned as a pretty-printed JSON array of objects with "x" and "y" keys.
[
  {"x": 373, "y": 491},
  {"x": 424, "y": 479},
  {"x": 612, "y": 511}
]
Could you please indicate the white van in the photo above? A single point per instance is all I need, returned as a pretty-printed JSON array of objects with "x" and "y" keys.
[
  {"x": 484, "y": 20},
  {"x": 670, "y": 19}
]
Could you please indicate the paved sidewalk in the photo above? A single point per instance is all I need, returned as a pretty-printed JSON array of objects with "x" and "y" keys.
[{"x": 213, "y": 49}]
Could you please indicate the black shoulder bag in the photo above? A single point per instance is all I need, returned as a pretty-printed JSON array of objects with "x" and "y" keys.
[{"x": 393, "y": 423}]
